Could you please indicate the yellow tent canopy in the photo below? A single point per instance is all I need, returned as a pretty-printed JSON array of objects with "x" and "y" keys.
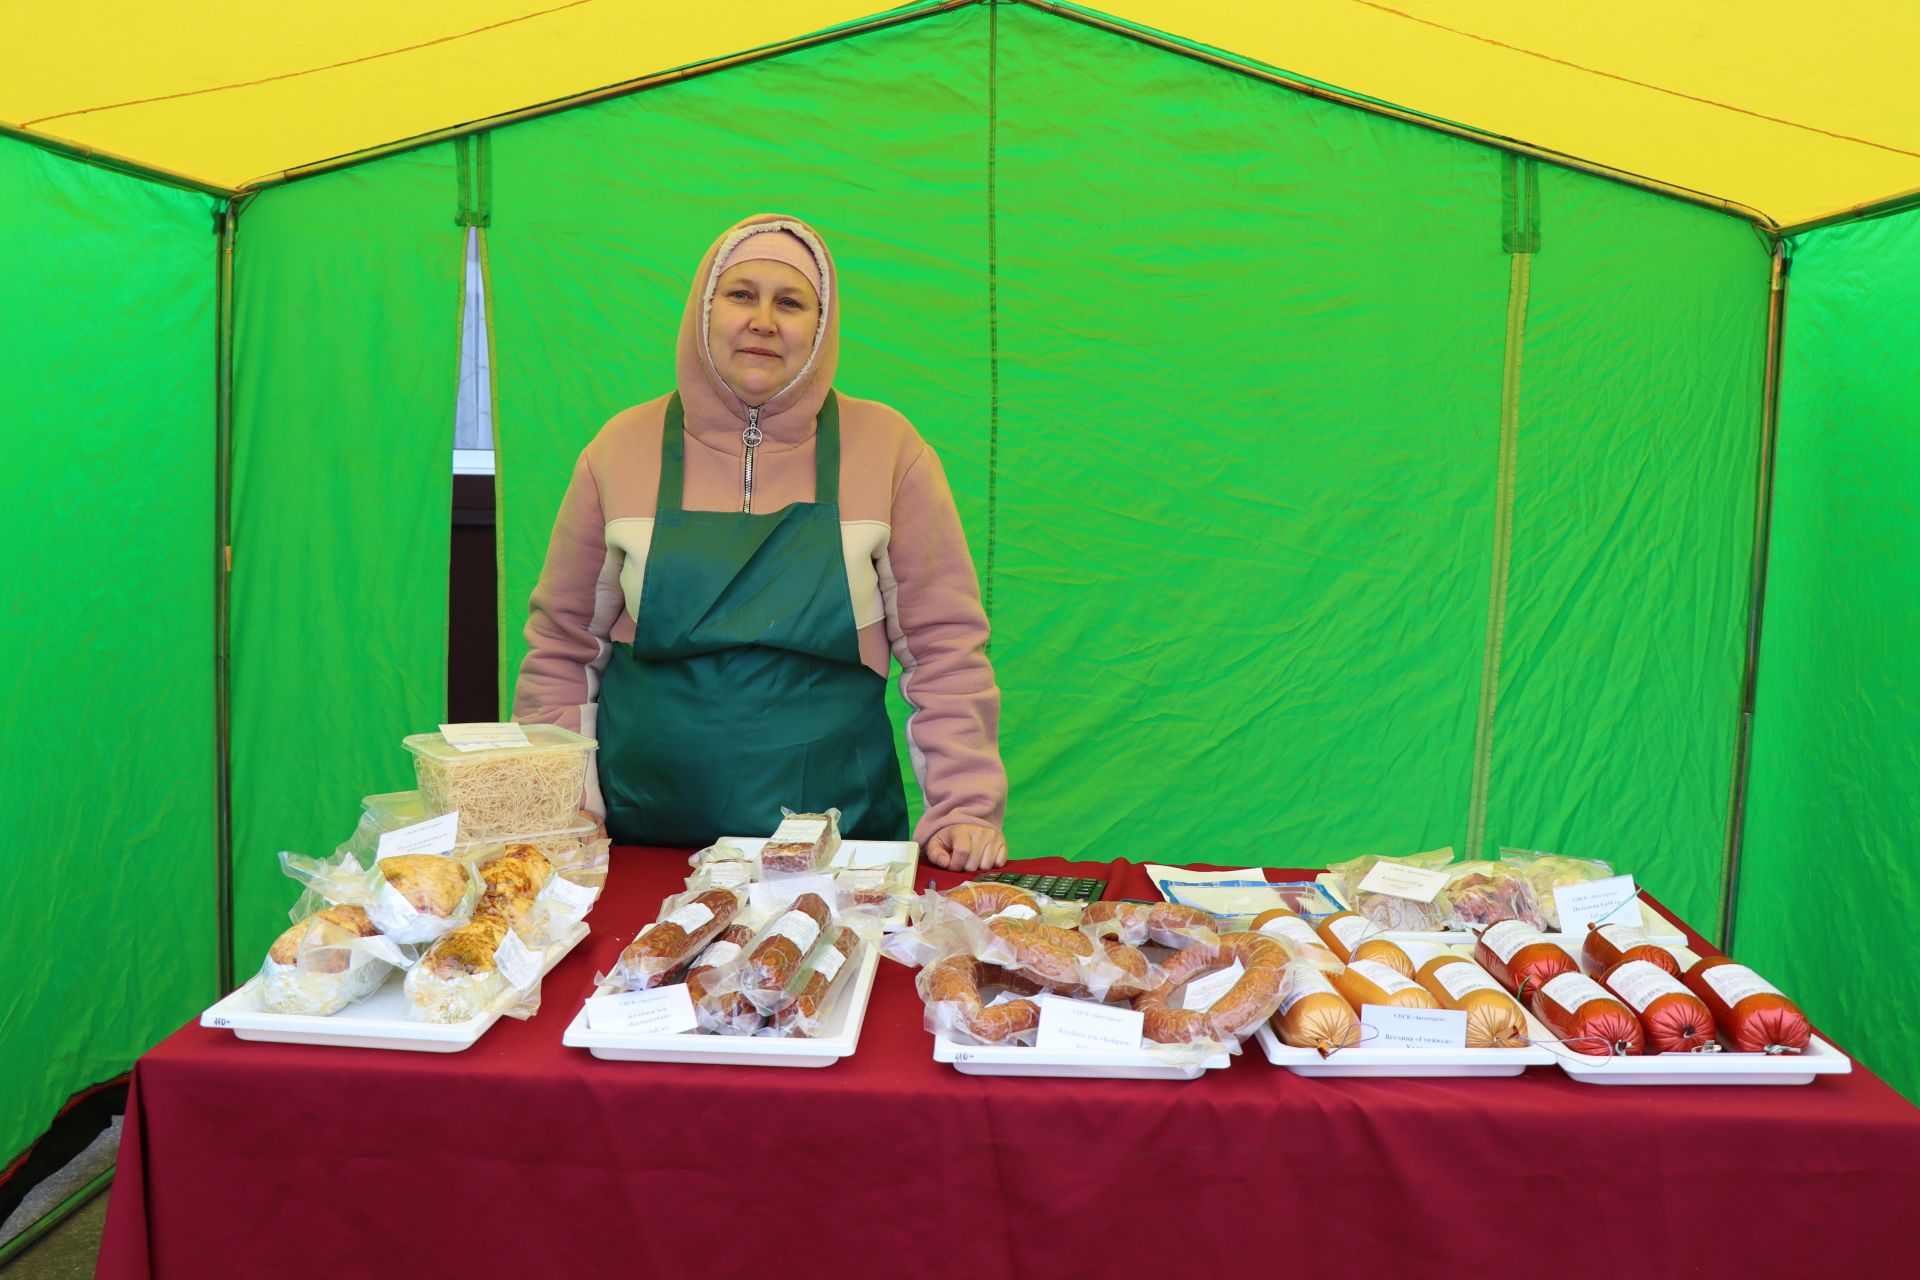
[{"x": 1793, "y": 116}]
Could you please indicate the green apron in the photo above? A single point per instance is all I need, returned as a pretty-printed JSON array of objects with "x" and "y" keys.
[{"x": 743, "y": 689}]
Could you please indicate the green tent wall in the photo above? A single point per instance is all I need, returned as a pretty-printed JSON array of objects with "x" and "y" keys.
[{"x": 1337, "y": 486}]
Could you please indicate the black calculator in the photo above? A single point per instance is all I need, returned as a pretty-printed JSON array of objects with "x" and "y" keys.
[{"x": 1063, "y": 888}]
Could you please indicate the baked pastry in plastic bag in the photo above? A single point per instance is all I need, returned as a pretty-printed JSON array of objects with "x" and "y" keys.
[
  {"x": 411, "y": 898},
  {"x": 325, "y": 962},
  {"x": 1545, "y": 872},
  {"x": 471, "y": 971}
]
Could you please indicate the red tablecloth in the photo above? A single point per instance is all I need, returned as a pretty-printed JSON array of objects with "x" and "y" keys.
[{"x": 523, "y": 1158}]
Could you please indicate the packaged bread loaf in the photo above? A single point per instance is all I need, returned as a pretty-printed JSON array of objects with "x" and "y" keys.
[
  {"x": 461, "y": 976},
  {"x": 318, "y": 966}
]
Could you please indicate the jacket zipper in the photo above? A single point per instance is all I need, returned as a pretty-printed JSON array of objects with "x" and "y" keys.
[{"x": 752, "y": 437}]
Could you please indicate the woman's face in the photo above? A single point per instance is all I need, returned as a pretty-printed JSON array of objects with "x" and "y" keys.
[{"x": 760, "y": 330}]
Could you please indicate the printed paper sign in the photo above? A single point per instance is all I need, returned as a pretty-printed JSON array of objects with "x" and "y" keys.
[
  {"x": 1203, "y": 993},
  {"x": 483, "y": 737},
  {"x": 1396, "y": 1028},
  {"x": 519, "y": 966},
  {"x": 1610, "y": 901},
  {"x": 1416, "y": 884},
  {"x": 663, "y": 1011},
  {"x": 435, "y": 835},
  {"x": 563, "y": 890},
  {"x": 769, "y": 897},
  {"x": 1080, "y": 1026},
  {"x": 728, "y": 875}
]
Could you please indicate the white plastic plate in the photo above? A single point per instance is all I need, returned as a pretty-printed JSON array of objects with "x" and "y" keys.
[
  {"x": 1407, "y": 1063},
  {"x": 851, "y": 853},
  {"x": 378, "y": 1022},
  {"x": 1023, "y": 1060},
  {"x": 1818, "y": 1059},
  {"x": 840, "y": 1035}
]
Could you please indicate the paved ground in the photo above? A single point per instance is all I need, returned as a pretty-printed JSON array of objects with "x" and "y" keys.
[{"x": 67, "y": 1252}]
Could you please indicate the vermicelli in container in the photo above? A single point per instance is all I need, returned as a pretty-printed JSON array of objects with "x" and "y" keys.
[{"x": 504, "y": 790}]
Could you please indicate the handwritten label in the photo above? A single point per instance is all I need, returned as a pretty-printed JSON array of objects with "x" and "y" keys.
[
  {"x": 483, "y": 737},
  {"x": 1397, "y": 1028},
  {"x": 770, "y": 896},
  {"x": 519, "y": 966},
  {"x": 1398, "y": 881},
  {"x": 799, "y": 830},
  {"x": 1080, "y": 1026},
  {"x": 1610, "y": 901},
  {"x": 1203, "y": 993},
  {"x": 663, "y": 1011},
  {"x": 729, "y": 875},
  {"x": 435, "y": 835}
]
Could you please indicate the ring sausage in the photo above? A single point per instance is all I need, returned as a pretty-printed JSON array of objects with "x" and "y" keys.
[
  {"x": 1494, "y": 1019},
  {"x": 985, "y": 898},
  {"x": 951, "y": 989},
  {"x": 1167, "y": 924},
  {"x": 1312, "y": 1015},
  {"x": 1585, "y": 1018},
  {"x": 1674, "y": 1019},
  {"x": 678, "y": 937},
  {"x": 1348, "y": 936},
  {"x": 1520, "y": 957},
  {"x": 1250, "y": 1001},
  {"x": 1753, "y": 1015},
  {"x": 1609, "y": 944}
]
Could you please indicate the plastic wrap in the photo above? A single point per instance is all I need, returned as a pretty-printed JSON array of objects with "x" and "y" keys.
[
  {"x": 1672, "y": 1017},
  {"x": 883, "y": 889},
  {"x": 954, "y": 989},
  {"x": 1353, "y": 937},
  {"x": 323, "y": 963},
  {"x": 510, "y": 883},
  {"x": 713, "y": 984},
  {"x": 1165, "y": 924},
  {"x": 803, "y": 843},
  {"x": 1365, "y": 982},
  {"x": 1544, "y": 872},
  {"x": 778, "y": 953},
  {"x": 465, "y": 974},
  {"x": 1479, "y": 893},
  {"x": 1292, "y": 928},
  {"x": 1586, "y": 1018},
  {"x": 410, "y": 898},
  {"x": 1231, "y": 1015},
  {"x": 1312, "y": 1015},
  {"x": 1384, "y": 910},
  {"x": 1752, "y": 1013},
  {"x": 568, "y": 896},
  {"x": 1520, "y": 957},
  {"x": 824, "y": 973},
  {"x": 686, "y": 924},
  {"x": 1007, "y": 926},
  {"x": 1495, "y": 1019}
]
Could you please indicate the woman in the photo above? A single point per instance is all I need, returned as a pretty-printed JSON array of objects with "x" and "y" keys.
[{"x": 731, "y": 569}]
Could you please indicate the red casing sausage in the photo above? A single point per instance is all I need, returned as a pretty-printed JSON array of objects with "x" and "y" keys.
[
  {"x": 1753, "y": 1015},
  {"x": 1609, "y": 944},
  {"x": 1674, "y": 1019},
  {"x": 1597, "y": 1023},
  {"x": 1520, "y": 957}
]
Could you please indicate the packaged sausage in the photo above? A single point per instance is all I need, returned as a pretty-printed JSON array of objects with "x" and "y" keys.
[
  {"x": 1494, "y": 1018},
  {"x": 1752, "y": 1014},
  {"x": 803, "y": 843},
  {"x": 883, "y": 889},
  {"x": 1609, "y": 944},
  {"x": 1312, "y": 1015},
  {"x": 1351, "y": 937},
  {"x": 1370, "y": 982},
  {"x": 1008, "y": 927},
  {"x": 1248, "y": 972},
  {"x": 1292, "y": 928},
  {"x": 824, "y": 973},
  {"x": 777, "y": 953},
  {"x": 1674, "y": 1019},
  {"x": 687, "y": 923},
  {"x": 956, "y": 991},
  {"x": 1586, "y": 1018},
  {"x": 1520, "y": 957},
  {"x": 325, "y": 962},
  {"x": 1165, "y": 924}
]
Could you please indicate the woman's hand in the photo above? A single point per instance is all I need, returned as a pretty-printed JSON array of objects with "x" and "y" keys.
[{"x": 967, "y": 846}]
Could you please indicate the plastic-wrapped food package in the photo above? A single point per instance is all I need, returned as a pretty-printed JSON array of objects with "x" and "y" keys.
[
  {"x": 324, "y": 963},
  {"x": 1008, "y": 927},
  {"x": 1494, "y": 1018},
  {"x": 1384, "y": 910},
  {"x": 813, "y": 988},
  {"x": 1753, "y": 1015},
  {"x": 1545, "y": 872},
  {"x": 1353, "y": 937},
  {"x": 687, "y": 923},
  {"x": 501, "y": 791},
  {"x": 881, "y": 888},
  {"x": 1609, "y": 944},
  {"x": 803, "y": 843},
  {"x": 1165, "y": 924},
  {"x": 778, "y": 952},
  {"x": 1520, "y": 957},
  {"x": 713, "y": 984},
  {"x": 410, "y": 898},
  {"x": 1256, "y": 966},
  {"x": 954, "y": 988},
  {"x": 1672, "y": 1017},
  {"x": 567, "y": 897},
  {"x": 1312, "y": 1015},
  {"x": 1586, "y": 1017},
  {"x": 1480, "y": 893},
  {"x": 470, "y": 971},
  {"x": 1365, "y": 982},
  {"x": 511, "y": 882}
]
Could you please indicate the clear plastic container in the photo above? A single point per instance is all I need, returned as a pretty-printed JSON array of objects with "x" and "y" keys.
[
  {"x": 503, "y": 791},
  {"x": 396, "y": 809}
]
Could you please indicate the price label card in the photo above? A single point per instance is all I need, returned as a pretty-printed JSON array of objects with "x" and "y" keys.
[
  {"x": 1610, "y": 901},
  {"x": 519, "y": 966},
  {"x": 771, "y": 896},
  {"x": 561, "y": 889},
  {"x": 663, "y": 1011},
  {"x": 729, "y": 875},
  {"x": 1397, "y": 881},
  {"x": 1080, "y": 1026},
  {"x": 1203, "y": 993},
  {"x": 1397, "y": 1028},
  {"x": 435, "y": 835},
  {"x": 483, "y": 737}
]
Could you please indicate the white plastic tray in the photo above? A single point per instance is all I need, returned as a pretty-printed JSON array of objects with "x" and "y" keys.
[
  {"x": 1021, "y": 1060},
  {"x": 866, "y": 853},
  {"x": 840, "y": 1035},
  {"x": 1407, "y": 1063},
  {"x": 1818, "y": 1059},
  {"x": 378, "y": 1022}
]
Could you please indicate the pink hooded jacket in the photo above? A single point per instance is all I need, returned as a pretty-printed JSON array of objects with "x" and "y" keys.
[{"x": 914, "y": 594}]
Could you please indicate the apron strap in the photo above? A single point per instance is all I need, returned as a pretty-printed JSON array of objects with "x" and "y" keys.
[
  {"x": 826, "y": 452},
  {"x": 673, "y": 458}
]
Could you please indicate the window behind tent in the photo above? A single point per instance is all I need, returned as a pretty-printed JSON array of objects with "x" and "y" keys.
[
  {"x": 473, "y": 634},
  {"x": 473, "y": 418}
]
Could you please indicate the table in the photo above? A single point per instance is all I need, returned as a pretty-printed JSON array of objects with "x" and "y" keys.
[{"x": 523, "y": 1158}]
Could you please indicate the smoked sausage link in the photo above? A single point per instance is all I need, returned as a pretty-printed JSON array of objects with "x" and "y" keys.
[
  {"x": 1753, "y": 1015},
  {"x": 1608, "y": 944}
]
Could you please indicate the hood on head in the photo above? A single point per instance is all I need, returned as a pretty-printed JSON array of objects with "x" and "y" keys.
[{"x": 710, "y": 404}]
